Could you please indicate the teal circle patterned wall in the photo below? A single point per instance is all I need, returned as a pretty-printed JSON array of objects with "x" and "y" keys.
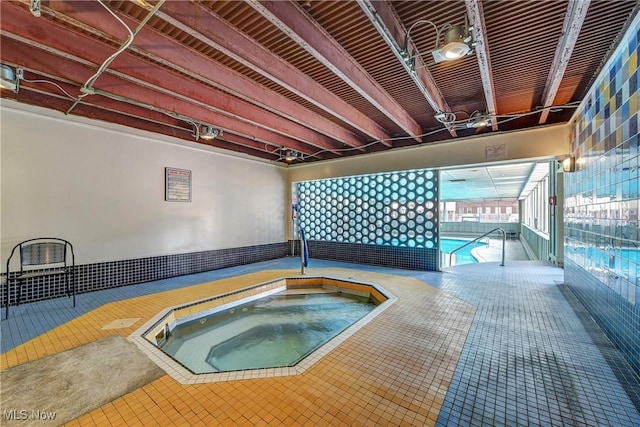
[{"x": 392, "y": 209}]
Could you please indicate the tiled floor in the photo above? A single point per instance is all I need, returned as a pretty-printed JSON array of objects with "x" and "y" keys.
[{"x": 482, "y": 345}]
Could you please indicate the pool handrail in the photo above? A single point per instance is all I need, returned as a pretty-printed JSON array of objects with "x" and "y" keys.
[
  {"x": 504, "y": 239},
  {"x": 304, "y": 251}
]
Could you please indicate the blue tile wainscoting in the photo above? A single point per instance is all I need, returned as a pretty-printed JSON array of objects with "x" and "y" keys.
[
  {"x": 619, "y": 320},
  {"x": 386, "y": 256},
  {"x": 111, "y": 274},
  {"x": 602, "y": 248}
]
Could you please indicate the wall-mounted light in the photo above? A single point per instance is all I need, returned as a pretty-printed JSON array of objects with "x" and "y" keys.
[
  {"x": 9, "y": 79},
  {"x": 569, "y": 164},
  {"x": 209, "y": 132}
]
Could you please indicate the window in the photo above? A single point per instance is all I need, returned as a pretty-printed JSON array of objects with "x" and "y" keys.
[
  {"x": 536, "y": 207},
  {"x": 492, "y": 211}
]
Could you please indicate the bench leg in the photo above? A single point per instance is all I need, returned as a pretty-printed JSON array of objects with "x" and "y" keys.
[
  {"x": 6, "y": 312},
  {"x": 71, "y": 287},
  {"x": 19, "y": 293}
]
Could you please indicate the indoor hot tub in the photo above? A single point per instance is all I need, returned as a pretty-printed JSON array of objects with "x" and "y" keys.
[{"x": 275, "y": 328}]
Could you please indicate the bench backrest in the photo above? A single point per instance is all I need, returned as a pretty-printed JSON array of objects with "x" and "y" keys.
[{"x": 43, "y": 253}]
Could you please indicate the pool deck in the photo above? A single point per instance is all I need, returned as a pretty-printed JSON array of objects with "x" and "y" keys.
[{"x": 478, "y": 344}]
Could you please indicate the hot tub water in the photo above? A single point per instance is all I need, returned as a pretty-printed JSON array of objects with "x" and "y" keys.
[{"x": 273, "y": 331}]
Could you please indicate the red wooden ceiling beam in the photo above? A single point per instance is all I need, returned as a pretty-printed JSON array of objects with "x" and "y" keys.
[
  {"x": 51, "y": 64},
  {"x": 159, "y": 48},
  {"x": 201, "y": 23},
  {"x": 388, "y": 24},
  {"x": 288, "y": 17},
  {"x": 475, "y": 12},
  {"x": 54, "y": 87},
  {"x": 57, "y": 38},
  {"x": 30, "y": 95},
  {"x": 571, "y": 27}
]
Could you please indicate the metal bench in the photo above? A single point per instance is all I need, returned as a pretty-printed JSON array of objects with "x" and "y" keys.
[{"x": 40, "y": 257}]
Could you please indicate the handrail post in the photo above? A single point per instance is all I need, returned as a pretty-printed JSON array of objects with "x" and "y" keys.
[
  {"x": 304, "y": 252},
  {"x": 504, "y": 241}
]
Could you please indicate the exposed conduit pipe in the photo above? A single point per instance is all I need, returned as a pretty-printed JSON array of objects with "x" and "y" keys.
[
  {"x": 372, "y": 14},
  {"x": 87, "y": 88},
  {"x": 192, "y": 122}
]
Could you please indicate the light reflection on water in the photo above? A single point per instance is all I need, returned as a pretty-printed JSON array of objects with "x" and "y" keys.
[{"x": 274, "y": 331}]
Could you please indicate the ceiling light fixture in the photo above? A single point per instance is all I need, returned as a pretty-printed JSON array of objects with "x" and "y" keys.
[
  {"x": 456, "y": 42},
  {"x": 288, "y": 155},
  {"x": 209, "y": 132},
  {"x": 475, "y": 120},
  {"x": 9, "y": 79}
]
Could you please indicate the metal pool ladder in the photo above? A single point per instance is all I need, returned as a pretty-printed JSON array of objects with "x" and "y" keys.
[{"x": 504, "y": 239}]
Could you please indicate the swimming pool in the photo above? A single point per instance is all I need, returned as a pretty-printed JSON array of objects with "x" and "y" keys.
[{"x": 463, "y": 256}]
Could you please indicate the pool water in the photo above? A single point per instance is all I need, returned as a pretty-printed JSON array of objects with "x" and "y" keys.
[
  {"x": 463, "y": 256},
  {"x": 274, "y": 331}
]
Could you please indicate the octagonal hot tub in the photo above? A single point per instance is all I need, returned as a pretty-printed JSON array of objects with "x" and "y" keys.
[{"x": 276, "y": 328}]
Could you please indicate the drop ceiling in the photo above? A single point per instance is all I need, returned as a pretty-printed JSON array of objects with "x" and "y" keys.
[
  {"x": 316, "y": 79},
  {"x": 493, "y": 182}
]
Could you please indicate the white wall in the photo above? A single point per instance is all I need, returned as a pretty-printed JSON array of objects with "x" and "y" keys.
[
  {"x": 101, "y": 187},
  {"x": 536, "y": 143}
]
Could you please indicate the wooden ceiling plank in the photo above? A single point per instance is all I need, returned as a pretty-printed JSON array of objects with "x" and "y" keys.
[{"x": 289, "y": 18}]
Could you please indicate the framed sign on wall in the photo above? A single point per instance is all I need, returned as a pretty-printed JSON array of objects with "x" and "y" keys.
[
  {"x": 496, "y": 152},
  {"x": 177, "y": 185}
]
